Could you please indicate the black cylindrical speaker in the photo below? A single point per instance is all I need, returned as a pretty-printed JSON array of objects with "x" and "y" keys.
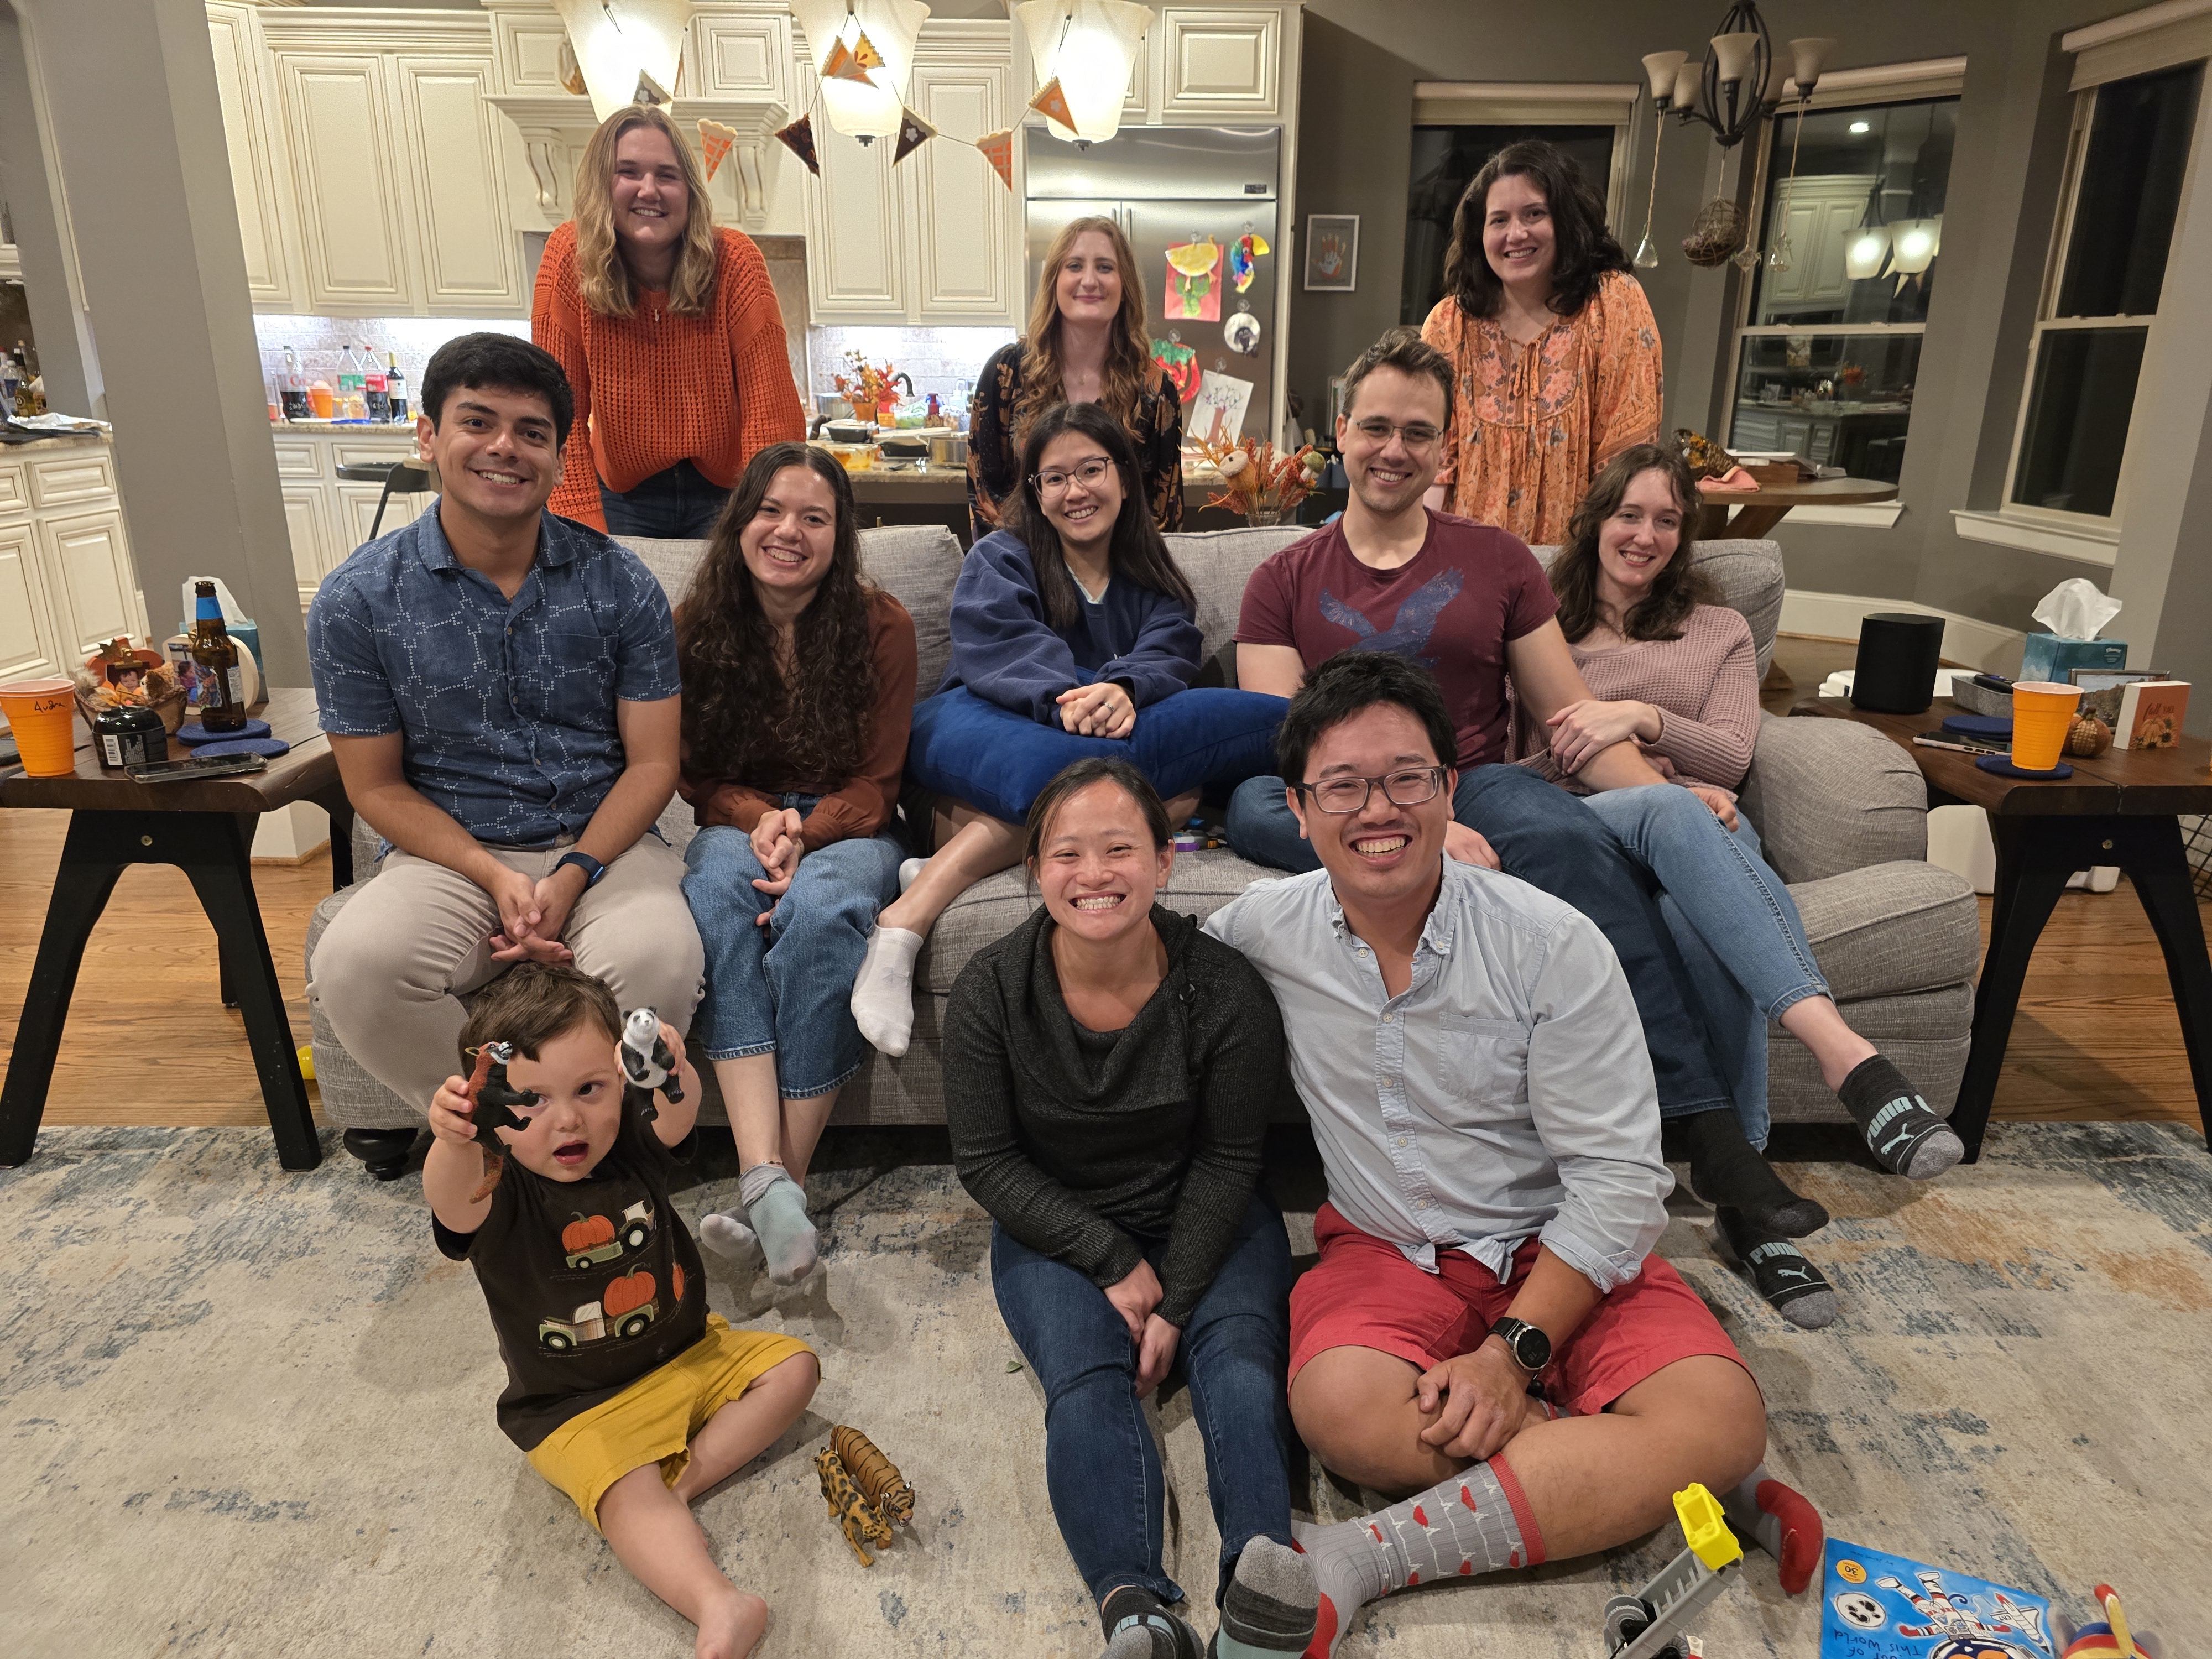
[{"x": 1899, "y": 653}]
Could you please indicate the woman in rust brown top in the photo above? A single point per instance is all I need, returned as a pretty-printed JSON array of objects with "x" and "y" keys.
[{"x": 798, "y": 681}]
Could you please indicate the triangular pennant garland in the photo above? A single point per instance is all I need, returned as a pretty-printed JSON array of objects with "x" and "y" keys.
[
  {"x": 800, "y": 136},
  {"x": 998, "y": 150},
  {"x": 648, "y": 90},
  {"x": 715, "y": 141},
  {"x": 914, "y": 132},
  {"x": 1053, "y": 102},
  {"x": 843, "y": 64},
  {"x": 865, "y": 53}
]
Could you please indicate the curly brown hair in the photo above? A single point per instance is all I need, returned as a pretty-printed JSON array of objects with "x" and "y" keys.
[
  {"x": 746, "y": 716},
  {"x": 1675, "y": 591},
  {"x": 1586, "y": 249}
]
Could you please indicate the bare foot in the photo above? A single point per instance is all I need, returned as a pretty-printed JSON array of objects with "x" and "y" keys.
[{"x": 732, "y": 1626}]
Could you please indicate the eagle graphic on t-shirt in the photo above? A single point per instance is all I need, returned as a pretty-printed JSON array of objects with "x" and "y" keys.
[{"x": 1408, "y": 634}]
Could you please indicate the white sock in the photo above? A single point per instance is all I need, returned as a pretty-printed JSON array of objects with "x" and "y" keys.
[
  {"x": 726, "y": 1235},
  {"x": 910, "y": 872},
  {"x": 883, "y": 995}
]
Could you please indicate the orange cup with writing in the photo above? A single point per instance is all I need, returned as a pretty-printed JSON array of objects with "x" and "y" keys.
[
  {"x": 2042, "y": 710},
  {"x": 42, "y": 715}
]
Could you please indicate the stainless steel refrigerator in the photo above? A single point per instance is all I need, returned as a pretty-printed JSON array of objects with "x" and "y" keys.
[{"x": 1165, "y": 187}]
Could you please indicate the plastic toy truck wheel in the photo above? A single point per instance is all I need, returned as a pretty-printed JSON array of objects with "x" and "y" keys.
[{"x": 1626, "y": 1618}]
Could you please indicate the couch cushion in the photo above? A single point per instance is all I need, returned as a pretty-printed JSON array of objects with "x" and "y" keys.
[
  {"x": 916, "y": 563},
  {"x": 1217, "y": 563},
  {"x": 1891, "y": 928},
  {"x": 1199, "y": 884}
]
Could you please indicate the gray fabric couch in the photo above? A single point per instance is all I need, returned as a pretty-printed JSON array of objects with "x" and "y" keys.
[{"x": 1841, "y": 810}]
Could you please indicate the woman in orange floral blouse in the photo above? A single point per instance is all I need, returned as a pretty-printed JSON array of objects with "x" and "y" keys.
[{"x": 1555, "y": 346}]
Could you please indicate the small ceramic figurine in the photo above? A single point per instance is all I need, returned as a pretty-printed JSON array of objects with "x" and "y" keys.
[
  {"x": 2108, "y": 1639},
  {"x": 495, "y": 1096},
  {"x": 647, "y": 1061}
]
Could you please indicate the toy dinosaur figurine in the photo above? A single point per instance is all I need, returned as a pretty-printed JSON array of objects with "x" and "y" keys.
[
  {"x": 849, "y": 1509},
  {"x": 875, "y": 1474},
  {"x": 647, "y": 1061}
]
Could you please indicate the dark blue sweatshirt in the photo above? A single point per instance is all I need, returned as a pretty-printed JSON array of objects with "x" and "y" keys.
[{"x": 1004, "y": 649}]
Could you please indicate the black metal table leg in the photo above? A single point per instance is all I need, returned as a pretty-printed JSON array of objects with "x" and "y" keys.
[
  {"x": 333, "y": 800},
  {"x": 2159, "y": 868},
  {"x": 216, "y": 855}
]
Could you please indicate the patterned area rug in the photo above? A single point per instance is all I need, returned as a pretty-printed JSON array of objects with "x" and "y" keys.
[{"x": 250, "y": 1412}]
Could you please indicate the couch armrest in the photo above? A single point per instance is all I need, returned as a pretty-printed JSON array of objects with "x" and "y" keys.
[{"x": 1832, "y": 795}]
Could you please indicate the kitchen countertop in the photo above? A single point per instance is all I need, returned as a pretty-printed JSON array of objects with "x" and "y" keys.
[
  {"x": 347, "y": 428},
  {"x": 59, "y": 440}
]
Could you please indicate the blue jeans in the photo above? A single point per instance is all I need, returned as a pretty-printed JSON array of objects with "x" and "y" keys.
[
  {"x": 970, "y": 749},
  {"x": 1102, "y": 1466},
  {"x": 1542, "y": 835},
  {"x": 679, "y": 504},
  {"x": 785, "y": 989},
  {"x": 1734, "y": 921}
]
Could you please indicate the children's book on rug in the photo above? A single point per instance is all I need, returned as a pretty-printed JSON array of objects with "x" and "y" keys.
[
  {"x": 1879, "y": 1605},
  {"x": 2150, "y": 713}
]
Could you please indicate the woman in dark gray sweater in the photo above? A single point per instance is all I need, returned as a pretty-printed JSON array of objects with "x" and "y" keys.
[{"x": 1109, "y": 1072}]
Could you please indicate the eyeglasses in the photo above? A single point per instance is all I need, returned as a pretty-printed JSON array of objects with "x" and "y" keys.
[
  {"x": 1088, "y": 475},
  {"x": 1418, "y": 435},
  {"x": 1407, "y": 788}
]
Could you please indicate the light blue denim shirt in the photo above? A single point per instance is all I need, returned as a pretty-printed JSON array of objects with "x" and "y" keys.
[
  {"x": 1505, "y": 1092},
  {"x": 506, "y": 707}
]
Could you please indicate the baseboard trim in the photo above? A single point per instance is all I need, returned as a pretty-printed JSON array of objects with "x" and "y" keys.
[{"x": 1968, "y": 640}]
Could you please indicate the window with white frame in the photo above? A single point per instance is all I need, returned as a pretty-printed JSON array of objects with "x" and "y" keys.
[
  {"x": 1851, "y": 226},
  {"x": 2127, "y": 160}
]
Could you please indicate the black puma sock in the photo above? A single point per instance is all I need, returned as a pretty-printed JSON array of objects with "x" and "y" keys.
[
  {"x": 1905, "y": 1138},
  {"x": 1792, "y": 1286},
  {"x": 1139, "y": 1626},
  {"x": 1725, "y": 1168}
]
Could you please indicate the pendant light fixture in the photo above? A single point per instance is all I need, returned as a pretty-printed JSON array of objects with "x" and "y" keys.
[
  {"x": 1664, "y": 69},
  {"x": 1913, "y": 241},
  {"x": 1738, "y": 83},
  {"x": 629, "y": 50},
  {"x": 1088, "y": 46},
  {"x": 863, "y": 91}
]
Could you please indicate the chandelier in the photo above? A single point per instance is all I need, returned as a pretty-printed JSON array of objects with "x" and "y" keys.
[{"x": 1739, "y": 83}]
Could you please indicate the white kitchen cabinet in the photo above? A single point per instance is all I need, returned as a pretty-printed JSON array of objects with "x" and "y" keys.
[
  {"x": 470, "y": 257},
  {"x": 29, "y": 643},
  {"x": 1819, "y": 212},
  {"x": 303, "y": 519},
  {"x": 96, "y": 596},
  {"x": 1219, "y": 60},
  {"x": 347, "y": 166},
  {"x": 257, "y": 162},
  {"x": 936, "y": 239},
  {"x": 329, "y": 517}
]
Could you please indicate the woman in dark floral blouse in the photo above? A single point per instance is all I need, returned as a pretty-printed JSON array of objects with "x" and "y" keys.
[{"x": 1086, "y": 344}]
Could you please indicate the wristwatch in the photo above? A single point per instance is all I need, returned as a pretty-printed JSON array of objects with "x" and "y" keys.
[
  {"x": 591, "y": 867},
  {"x": 1530, "y": 1348}
]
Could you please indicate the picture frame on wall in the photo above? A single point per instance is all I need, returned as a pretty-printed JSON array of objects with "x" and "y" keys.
[{"x": 1332, "y": 251}]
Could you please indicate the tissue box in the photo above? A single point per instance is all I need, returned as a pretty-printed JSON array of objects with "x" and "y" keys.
[{"x": 2051, "y": 656}]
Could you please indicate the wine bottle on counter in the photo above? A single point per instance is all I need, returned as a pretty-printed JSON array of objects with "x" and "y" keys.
[
  {"x": 375, "y": 390},
  {"x": 293, "y": 389},
  {"x": 395, "y": 387},
  {"x": 222, "y": 683}
]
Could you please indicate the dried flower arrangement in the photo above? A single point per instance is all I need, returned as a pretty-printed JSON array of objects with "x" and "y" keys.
[
  {"x": 1257, "y": 482},
  {"x": 868, "y": 387}
]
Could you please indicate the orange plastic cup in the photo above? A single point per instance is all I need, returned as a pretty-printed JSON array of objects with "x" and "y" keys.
[
  {"x": 2042, "y": 710},
  {"x": 320, "y": 399},
  {"x": 42, "y": 714}
]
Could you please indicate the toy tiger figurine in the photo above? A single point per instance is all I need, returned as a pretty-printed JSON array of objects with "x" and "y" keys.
[
  {"x": 875, "y": 1474},
  {"x": 854, "y": 1517}
]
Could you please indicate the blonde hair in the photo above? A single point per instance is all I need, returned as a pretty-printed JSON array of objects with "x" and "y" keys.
[
  {"x": 1129, "y": 366},
  {"x": 599, "y": 268}
]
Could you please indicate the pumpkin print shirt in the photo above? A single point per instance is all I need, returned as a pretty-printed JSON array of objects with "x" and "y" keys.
[
  {"x": 591, "y": 1283},
  {"x": 994, "y": 447},
  {"x": 1532, "y": 424}
]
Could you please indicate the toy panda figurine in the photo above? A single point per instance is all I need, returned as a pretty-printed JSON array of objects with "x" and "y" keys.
[{"x": 647, "y": 1061}]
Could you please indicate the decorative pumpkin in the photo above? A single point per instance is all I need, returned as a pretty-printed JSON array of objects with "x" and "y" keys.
[
  {"x": 586, "y": 1232},
  {"x": 2089, "y": 736},
  {"x": 632, "y": 1289}
]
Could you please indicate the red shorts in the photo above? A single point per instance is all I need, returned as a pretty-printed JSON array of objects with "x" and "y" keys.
[{"x": 1362, "y": 1293}]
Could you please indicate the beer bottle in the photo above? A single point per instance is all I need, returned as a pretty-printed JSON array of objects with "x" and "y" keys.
[{"x": 222, "y": 686}]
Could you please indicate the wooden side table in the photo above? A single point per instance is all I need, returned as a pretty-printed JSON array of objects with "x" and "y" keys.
[
  {"x": 2121, "y": 808},
  {"x": 1759, "y": 510},
  {"x": 205, "y": 828}
]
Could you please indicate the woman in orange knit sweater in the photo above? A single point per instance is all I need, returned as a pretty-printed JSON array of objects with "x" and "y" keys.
[{"x": 670, "y": 334}]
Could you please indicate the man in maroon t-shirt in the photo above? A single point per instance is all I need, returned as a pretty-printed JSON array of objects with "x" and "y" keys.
[{"x": 1471, "y": 604}]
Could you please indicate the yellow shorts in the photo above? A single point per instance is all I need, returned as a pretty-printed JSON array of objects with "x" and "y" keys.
[{"x": 653, "y": 1420}]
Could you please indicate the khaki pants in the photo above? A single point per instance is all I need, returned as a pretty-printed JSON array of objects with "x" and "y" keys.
[{"x": 389, "y": 971}]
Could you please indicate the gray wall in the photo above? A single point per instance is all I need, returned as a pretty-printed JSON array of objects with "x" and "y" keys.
[{"x": 1363, "y": 57}]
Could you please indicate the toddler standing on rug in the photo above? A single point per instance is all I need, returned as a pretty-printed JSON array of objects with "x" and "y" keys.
[{"x": 625, "y": 1392}]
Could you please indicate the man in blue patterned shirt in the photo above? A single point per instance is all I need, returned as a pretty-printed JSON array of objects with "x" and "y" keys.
[{"x": 500, "y": 688}]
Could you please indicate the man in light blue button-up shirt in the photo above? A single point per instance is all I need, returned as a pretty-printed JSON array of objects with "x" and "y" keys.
[{"x": 1474, "y": 1068}]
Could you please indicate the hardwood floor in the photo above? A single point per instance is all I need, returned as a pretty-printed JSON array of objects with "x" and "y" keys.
[{"x": 149, "y": 1042}]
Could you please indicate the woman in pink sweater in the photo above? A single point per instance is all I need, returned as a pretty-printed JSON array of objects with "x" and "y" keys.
[{"x": 1678, "y": 676}]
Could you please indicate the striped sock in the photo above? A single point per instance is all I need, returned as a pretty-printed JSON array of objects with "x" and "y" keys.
[
  {"x": 1477, "y": 1520},
  {"x": 1270, "y": 1605}
]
